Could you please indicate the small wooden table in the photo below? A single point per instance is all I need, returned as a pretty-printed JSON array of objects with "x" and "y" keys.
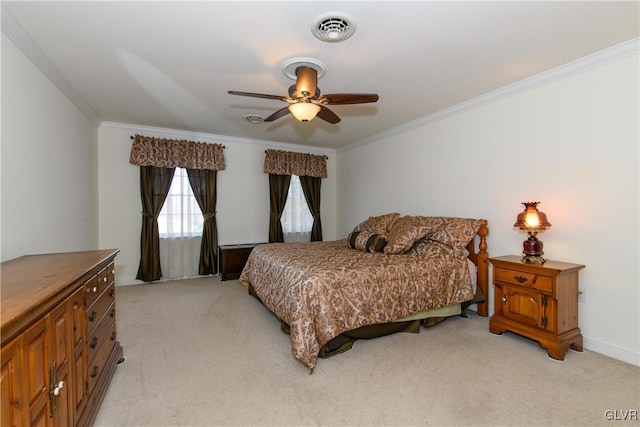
[{"x": 538, "y": 301}]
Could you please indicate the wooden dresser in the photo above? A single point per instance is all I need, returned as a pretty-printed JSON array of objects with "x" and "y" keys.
[{"x": 59, "y": 343}]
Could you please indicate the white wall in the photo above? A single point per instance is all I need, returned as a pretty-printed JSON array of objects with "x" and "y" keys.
[
  {"x": 243, "y": 192},
  {"x": 571, "y": 144},
  {"x": 49, "y": 198}
]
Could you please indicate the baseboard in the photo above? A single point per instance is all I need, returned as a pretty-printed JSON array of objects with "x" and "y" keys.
[
  {"x": 128, "y": 281},
  {"x": 133, "y": 281},
  {"x": 611, "y": 350}
]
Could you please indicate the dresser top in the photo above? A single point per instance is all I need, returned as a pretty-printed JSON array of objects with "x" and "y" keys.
[{"x": 32, "y": 284}]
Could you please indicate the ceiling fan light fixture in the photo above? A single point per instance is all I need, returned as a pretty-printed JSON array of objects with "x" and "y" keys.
[
  {"x": 333, "y": 27},
  {"x": 304, "y": 111}
]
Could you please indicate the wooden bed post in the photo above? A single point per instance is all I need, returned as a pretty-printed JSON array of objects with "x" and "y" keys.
[{"x": 483, "y": 269}]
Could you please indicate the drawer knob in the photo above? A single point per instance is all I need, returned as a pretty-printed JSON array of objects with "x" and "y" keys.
[
  {"x": 504, "y": 299},
  {"x": 92, "y": 316},
  {"x": 94, "y": 342},
  {"x": 94, "y": 289},
  {"x": 520, "y": 279},
  {"x": 104, "y": 279},
  {"x": 94, "y": 372}
]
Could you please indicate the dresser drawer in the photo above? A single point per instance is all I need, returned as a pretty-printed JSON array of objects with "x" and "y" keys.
[
  {"x": 96, "y": 285},
  {"x": 104, "y": 306},
  {"x": 102, "y": 331},
  {"x": 521, "y": 278},
  {"x": 97, "y": 365}
]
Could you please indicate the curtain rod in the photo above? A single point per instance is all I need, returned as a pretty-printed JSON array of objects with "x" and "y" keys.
[{"x": 133, "y": 137}]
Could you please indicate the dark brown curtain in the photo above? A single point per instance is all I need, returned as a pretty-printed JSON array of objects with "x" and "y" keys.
[
  {"x": 154, "y": 187},
  {"x": 278, "y": 189},
  {"x": 311, "y": 189},
  {"x": 203, "y": 184}
]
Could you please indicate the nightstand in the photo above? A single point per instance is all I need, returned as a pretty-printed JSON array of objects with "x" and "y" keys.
[{"x": 538, "y": 301}]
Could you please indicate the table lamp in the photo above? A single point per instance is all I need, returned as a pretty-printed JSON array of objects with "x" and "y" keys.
[{"x": 533, "y": 222}]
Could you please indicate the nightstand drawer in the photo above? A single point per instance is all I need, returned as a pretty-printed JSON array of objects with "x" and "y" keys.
[{"x": 522, "y": 278}]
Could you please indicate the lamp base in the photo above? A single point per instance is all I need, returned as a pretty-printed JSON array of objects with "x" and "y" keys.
[
  {"x": 532, "y": 250},
  {"x": 533, "y": 259}
]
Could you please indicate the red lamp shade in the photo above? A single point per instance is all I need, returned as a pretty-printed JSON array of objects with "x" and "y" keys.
[{"x": 533, "y": 222}]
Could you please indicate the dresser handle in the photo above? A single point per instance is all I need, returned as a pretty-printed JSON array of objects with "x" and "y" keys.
[
  {"x": 112, "y": 313},
  {"x": 112, "y": 292},
  {"x": 504, "y": 299},
  {"x": 94, "y": 372},
  {"x": 520, "y": 279},
  {"x": 56, "y": 390},
  {"x": 94, "y": 342},
  {"x": 92, "y": 316},
  {"x": 113, "y": 336}
]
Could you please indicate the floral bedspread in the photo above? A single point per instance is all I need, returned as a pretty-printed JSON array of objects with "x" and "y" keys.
[{"x": 322, "y": 289}]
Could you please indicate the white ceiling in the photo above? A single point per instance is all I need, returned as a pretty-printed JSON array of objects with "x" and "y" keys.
[{"x": 170, "y": 64}]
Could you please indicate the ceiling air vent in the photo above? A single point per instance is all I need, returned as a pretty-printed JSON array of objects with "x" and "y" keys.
[{"x": 333, "y": 27}]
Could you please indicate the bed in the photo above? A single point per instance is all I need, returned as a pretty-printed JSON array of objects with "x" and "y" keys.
[{"x": 390, "y": 274}]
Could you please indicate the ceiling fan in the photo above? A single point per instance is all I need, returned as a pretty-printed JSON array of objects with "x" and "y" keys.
[{"x": 306, "y": 102}]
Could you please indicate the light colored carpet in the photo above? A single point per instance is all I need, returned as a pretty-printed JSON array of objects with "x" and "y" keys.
[{"x": 202, "y": 352}]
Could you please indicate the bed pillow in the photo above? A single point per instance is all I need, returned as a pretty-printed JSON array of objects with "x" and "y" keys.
[
  {"x": 378, "y": 224},
  {"x": 454, "y": 232},
  {"x": 425, "y": 247},
  {"x": 367, "y": 241},
  {"x": 404, "y": 233}
]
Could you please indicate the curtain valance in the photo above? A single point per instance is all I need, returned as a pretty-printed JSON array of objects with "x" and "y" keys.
[
  {"x": 280, "y": 162},
  {"x": 171, "y": 153}
]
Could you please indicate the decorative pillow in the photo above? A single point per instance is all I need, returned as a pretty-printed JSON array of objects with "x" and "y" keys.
[
  {"x": 378, "y": 224},
  {"x": 404, "y": 233},
  {"x": 455, "y": 232},
  {"x": 424, "y": 247},
  {"x": 367, "y": 241}
]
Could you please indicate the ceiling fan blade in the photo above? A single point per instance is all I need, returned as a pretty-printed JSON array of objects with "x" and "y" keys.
[
  {"x": 328, "y": 115},
  {"x": 306, "y": 82},
  {"x": 348, "y": 98},
  {"x": 258, "y": 95},
  {"x": 275, "y": 116}
]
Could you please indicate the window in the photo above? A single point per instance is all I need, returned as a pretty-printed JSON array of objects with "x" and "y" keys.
[
  {"x": 296, "y": 218},
  {"x": 180, "y": 216}
]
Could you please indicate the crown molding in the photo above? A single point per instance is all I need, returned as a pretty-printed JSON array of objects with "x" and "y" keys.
[
  {"x": 14, "y": 31},
  {"x": 611, "y": 54}
]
